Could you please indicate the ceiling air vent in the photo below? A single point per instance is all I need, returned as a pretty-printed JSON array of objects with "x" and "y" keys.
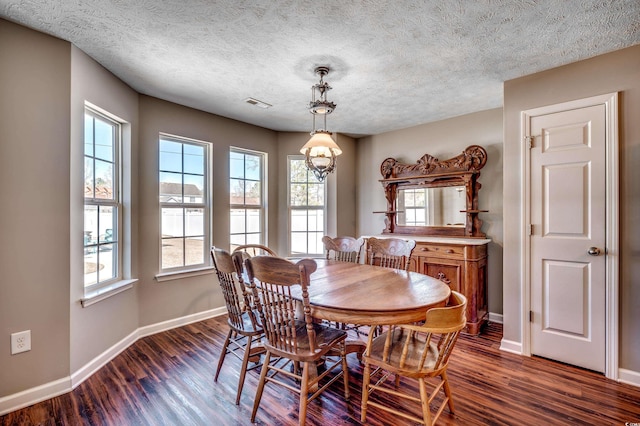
[{"x": 257, "y": 103}]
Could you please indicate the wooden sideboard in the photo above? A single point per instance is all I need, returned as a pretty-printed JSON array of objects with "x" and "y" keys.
[
  {"x": 461, "y": 263},
  {"x": 436, "y": 204}
]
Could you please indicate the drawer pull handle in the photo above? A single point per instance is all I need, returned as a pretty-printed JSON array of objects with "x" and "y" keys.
[
  {"x": 449, "y": 251},
  {"x": 424, "y": 249},
  {"x": 442, "y": 277}
]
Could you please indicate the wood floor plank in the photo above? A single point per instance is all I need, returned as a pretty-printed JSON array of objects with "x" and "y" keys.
[{"x": 167, "y": 379}]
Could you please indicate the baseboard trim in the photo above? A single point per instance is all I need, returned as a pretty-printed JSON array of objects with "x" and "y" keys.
[
  {"x": 511, "y": 346},
  {"x": 34, "y": 395},
  {"x": 629, "y": 377},
  {"x": 61, "y": 386},
  {"x": 497, "y": 318},
  {"x": 101, "y": 360},
  {"x": 179, "y": 322}
]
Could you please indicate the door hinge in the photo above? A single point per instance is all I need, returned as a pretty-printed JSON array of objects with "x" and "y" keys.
[
  {"x": 530, "y": 230},
  {"x": 528, "y": 140},
  {"x": 530, "y": 316}
]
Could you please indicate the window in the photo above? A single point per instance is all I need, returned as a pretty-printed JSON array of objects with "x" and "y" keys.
[
  {"x": 247, "y": 200},
  {"x": 102, "y": 201},
  {"x": 413, "y": 207},
  {"x": 184, "y": 203},
  {"x": 306, "y": 209}
]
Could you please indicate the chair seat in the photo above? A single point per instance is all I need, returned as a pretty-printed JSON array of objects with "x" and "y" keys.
[
  {"x": 246, "y": 327},
  {"x": 418, "y": 351},
  {"x": 326, "y": 338},
  {"x": 415, "y": 348}
]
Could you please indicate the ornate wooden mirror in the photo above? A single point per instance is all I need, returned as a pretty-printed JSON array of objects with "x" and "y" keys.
[{"x": 433, "y": 197}]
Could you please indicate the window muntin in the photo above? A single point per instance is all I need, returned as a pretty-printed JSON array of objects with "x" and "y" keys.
[
  {"x": 102, "y": 200},
  {"x": 307, "y": 209},
  {"x": 184, "y": 203},
  {"x": 246, "y": 197}
]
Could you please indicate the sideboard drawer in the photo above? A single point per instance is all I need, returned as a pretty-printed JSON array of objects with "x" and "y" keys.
[{"x": 436, "y": 250}]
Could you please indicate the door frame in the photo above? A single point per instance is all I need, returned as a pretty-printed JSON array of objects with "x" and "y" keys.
[{"x": 612, "y": 255}]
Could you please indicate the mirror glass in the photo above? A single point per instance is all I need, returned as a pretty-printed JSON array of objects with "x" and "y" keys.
[{"x": 438, "y": 206}]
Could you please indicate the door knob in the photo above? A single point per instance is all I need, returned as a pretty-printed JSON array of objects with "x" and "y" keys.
[{"x": 594, "y": 251}]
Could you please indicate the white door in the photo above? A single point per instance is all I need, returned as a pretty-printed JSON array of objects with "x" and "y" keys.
[{"x": 568, "y": 277}]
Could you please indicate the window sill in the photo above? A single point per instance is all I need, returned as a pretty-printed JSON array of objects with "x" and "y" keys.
[
  {"x": 169, "y": 276},
  {"x": 106, "y": 292}
]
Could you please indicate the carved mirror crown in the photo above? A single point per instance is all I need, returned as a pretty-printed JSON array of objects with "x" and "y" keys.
[{"x": 433, "y": 197}]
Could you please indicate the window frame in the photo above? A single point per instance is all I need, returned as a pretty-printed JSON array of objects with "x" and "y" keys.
[
  {"x": 205, "y": 205},
  {"x": 262, "y": 207},
  {"x": 116, "y": 202},
  {"x": 415, "y": 208},
  {"x": 307, "y": 207}
]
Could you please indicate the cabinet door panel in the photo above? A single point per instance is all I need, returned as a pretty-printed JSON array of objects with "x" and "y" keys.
[{"x": 450, "y": 273}]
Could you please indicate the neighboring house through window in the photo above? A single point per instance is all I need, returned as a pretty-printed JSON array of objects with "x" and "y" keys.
[
  {"x": 307, "y": 209},
  {"x": 247, "y": 198},
  {"x": 102, "y": 201},
  {"x": 184, "y": 203}
]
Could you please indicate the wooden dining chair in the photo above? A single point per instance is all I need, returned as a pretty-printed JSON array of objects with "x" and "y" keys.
[
  {"x": 297, "y": 341},
  {"x": 245, "y": 251},
  {"x": 344, "y": 249},
  {"x": 392, "y": 253},
  {"x": 251, "y": 250},
  {"x": 243, "y": 320},
  {"x": 419, "y": 352}
]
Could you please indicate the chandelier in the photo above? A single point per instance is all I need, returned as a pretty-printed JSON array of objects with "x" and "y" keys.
[{"x": 321, "y": 150}]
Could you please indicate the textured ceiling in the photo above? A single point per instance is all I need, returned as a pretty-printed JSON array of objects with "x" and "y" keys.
[{"x": 395, "y": 64}]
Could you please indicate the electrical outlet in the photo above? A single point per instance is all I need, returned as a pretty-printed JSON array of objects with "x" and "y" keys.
[{"x": 20, "y": 342}]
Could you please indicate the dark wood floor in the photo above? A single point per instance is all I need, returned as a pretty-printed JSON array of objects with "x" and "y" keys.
[{"x": 167, "y": 379}]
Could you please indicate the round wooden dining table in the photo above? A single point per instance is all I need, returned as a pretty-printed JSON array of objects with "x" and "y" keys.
[{"x": 354, "y": 293}]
